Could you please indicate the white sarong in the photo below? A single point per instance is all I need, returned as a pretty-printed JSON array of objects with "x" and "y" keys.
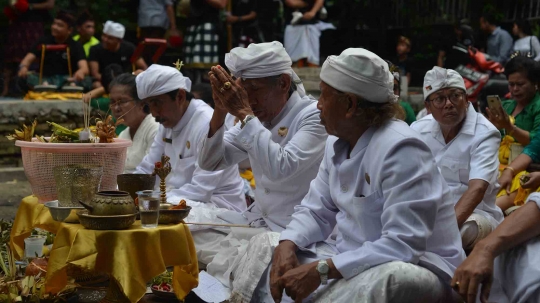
[
  {"x": 518, "y": 271},
  {"x": 390, "y": 282},
  {"x": 302, "y": 41}
]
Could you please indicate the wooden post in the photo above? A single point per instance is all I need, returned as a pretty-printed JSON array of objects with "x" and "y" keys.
[{"x": 229, "y": 27}]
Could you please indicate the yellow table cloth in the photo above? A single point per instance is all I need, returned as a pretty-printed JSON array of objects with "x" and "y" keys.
[
  {"x": 30, "y": 215},
  {"x": 132, "y": 257}
]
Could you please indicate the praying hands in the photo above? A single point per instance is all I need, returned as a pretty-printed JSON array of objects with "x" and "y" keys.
[{"x": 229, "y": 95}]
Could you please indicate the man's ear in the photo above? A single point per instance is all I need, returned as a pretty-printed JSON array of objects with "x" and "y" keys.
[
  {"x": 180, "y": 96},
  {"x": 285, "y": 82},
  {"x": 427, "y": 105},
  {"x": 352, "y": 102}
]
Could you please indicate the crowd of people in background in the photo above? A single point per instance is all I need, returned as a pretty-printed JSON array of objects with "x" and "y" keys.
[{"x": 203, "y": 31}]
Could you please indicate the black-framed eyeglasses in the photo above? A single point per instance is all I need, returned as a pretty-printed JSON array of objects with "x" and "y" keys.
[
  {"x": 119, "y": 103},
  {"x": 440, "y": 101}
]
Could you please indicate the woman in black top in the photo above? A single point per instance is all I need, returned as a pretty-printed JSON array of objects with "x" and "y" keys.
[{"x": 243, "y": 19}]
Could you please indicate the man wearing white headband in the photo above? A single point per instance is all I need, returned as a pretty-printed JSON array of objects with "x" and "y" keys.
[
  {"x": 465, "y": 146},
  {"x": 184, "y": 124},
  {"x": 396, "y": 237},
  {"x": 112, "y": 50},
  {"x": 279, "y": 132}
]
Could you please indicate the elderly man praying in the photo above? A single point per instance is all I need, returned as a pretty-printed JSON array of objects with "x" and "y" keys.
[
  {"x": 184, "y": 124},
  {"x": 396, "y": 237},
  {"x": 465, "y": 146},
  {"x": 279, "y": 132}
]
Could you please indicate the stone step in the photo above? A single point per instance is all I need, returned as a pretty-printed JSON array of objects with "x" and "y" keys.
[{"x": 308, "y": 73}]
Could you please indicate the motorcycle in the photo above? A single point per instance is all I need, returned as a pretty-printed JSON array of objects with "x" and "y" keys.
[{"x": 482, "y": 76}]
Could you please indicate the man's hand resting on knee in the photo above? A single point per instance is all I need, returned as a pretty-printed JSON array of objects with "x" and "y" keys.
[{"x": 284, "y": 260}]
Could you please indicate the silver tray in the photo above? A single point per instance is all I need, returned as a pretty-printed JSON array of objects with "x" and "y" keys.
[{"x": 63, "y": 214}]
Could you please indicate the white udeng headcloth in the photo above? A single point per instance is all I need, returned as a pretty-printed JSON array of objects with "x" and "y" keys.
[
  {"x": 159, "y": 80},
  {"x": 360, "y": 72},
  {"x": 260, "y": 61},
  {"x": 114, "y": 29},
  {"x": 439, "y": 77}
]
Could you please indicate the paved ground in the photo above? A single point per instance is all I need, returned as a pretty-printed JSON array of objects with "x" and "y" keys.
[{"x": 11, "y": 194}]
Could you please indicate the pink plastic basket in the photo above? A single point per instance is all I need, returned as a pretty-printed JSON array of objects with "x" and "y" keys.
[{"x": 39, "y": 159}]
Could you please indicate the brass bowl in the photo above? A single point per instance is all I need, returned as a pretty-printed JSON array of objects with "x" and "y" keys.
[
  {"x": 116, "y": 222},
  {"x": 173, "y": 216},
  {"x": 63, "y": 214},
  {"x": 132, "y": 183}
]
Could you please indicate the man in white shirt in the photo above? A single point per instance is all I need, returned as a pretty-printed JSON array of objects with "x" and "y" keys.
[
  {"x": 279, "y": 132},
  {"x": 184, "y": 125},
  {"x": 396, "y": 235},
  {"x": 465, "y": 146}
]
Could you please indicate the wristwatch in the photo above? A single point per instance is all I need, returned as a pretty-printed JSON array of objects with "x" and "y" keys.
[
  {"x": 246, "y": 120},
  {"x": 323, "y": 269}
]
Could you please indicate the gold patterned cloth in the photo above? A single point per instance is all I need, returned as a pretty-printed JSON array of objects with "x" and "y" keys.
[{"x": 132, "y": 257}]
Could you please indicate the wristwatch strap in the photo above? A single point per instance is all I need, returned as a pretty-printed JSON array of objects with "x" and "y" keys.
[{"x": 246, "y": 120}]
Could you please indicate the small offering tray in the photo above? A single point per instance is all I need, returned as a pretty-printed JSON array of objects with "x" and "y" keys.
[
  {"x": 63, "y": 214},
  {"x": 115, "y": 222},
  {"x": 173, "y": 216}
]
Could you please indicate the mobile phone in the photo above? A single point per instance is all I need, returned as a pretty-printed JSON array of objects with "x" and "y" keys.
[{"x": 494, "y": 102}]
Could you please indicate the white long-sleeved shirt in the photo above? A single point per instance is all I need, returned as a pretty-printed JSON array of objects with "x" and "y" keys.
[
  {"x": 388, "y": 201},
  {"x": 283, "y": 161},
  {"x": 224, "y": 188},
  {"x": 471, "y": 155},
  {"x": 142, "y": 141},
  {"x": 528, "y": 44}
]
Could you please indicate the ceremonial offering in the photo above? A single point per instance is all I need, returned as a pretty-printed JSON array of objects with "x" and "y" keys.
[
  {"x": 24, "y": 134},
  {"x": 33, "y": 246},
  {"x": 77, "y": 182},
  {"x": 110, "y": 203},
  {"x": 39, "y": 160},
  {"x": 162, "y": 286}
]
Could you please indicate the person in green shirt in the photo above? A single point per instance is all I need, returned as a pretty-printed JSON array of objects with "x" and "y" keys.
[
  {"x": 519, "y": 117},
  {"x": 409, "y": 116},
  {"x": 86, "y": 29},
  {"x": 518, "y": 120}
]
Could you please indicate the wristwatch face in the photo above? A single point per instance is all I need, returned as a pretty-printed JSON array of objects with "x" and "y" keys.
[{"x": 322, "y": 268}]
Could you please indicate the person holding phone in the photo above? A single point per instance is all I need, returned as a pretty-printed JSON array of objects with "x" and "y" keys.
[{"x": 517, "y": 119}]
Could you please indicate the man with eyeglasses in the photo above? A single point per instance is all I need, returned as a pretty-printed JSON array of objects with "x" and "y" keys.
[
  {"x": 184, "y": 125},
  {"x": 465, "y": 145}
]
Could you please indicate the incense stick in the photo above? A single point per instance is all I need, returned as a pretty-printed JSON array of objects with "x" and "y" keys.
[{"x": 217, "y": 224}]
